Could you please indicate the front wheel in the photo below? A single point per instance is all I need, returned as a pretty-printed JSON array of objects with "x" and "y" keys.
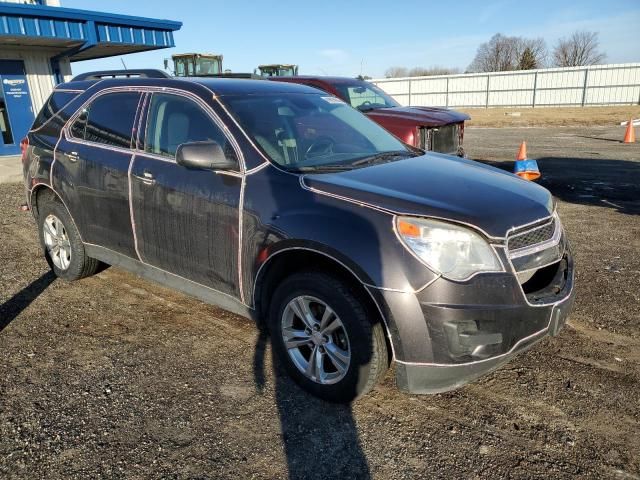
[
  {"x": 324, "y": 337},
  {"x": 61, "y": 242}
]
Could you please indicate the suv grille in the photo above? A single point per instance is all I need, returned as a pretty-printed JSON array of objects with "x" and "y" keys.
[
  {"x": 527, "y": 238},
  {"x": 444, "y": 139}
]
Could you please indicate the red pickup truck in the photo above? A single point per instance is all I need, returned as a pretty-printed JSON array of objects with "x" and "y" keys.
[{"x": 429, "y": 128}]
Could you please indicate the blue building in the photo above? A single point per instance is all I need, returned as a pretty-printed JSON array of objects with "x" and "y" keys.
[{"x": 39, "y": 40}]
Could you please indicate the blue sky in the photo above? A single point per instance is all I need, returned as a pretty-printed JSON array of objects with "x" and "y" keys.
[{"x": 336, "y": 37}]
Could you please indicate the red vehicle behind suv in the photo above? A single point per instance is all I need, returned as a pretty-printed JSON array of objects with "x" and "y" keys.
[{"x": 429, "y": 128}]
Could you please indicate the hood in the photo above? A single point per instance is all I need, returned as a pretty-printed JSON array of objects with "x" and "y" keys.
[
  {"x": 445, "y": 187},
  {"x": 428, "y": 116}
]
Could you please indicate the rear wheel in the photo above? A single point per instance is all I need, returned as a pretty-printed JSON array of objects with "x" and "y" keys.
[
  {"x": 324, "y": 337},
  {"x": 61, "y": 242}
]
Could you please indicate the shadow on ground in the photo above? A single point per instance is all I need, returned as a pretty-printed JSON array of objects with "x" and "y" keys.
[
  {"x": 588, "y": 181},
  {"x": 320, "y": 439},
  {"x": 602, "y": 139},
  {"x": 10, "y": 309}
]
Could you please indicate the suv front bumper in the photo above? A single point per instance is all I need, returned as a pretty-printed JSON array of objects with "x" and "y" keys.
[{"x": 441, "y": 345}]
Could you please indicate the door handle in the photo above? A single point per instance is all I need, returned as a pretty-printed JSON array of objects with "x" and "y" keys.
[
  {"x": 72, "y": 156},
  {"x": 146, "y": 178}
]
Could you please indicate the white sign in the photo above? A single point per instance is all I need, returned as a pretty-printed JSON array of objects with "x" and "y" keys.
[{"x": 14, "y": 82}]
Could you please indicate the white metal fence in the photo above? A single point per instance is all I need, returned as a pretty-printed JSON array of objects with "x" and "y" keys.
[{"x": 614, "y": 84}]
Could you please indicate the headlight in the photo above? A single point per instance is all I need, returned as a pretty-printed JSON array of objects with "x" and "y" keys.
[{"x": 455, "y": 252}]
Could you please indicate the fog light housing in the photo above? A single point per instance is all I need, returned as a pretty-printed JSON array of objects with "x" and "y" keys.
[{"x": 466, "y": 340}]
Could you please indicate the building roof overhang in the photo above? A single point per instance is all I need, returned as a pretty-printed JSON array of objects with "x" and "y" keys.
[{"x": 82, "y": 34}]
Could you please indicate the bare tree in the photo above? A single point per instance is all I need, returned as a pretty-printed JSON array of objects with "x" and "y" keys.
[
  {"x": 434, "y": 70},
  {"x": 395, "y": 72},
  {"x": 502, "y": 53},
  {"x": 581, "y": 48},
  {"x": 496, "y": 55}
]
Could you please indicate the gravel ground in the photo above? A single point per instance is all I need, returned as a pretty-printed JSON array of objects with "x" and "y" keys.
[{"x": 115, "y": 377}]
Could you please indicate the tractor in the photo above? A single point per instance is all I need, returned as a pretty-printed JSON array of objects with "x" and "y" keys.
[
  {"x": 277, "y": 70},
  {"x": 195, "y": 64}
]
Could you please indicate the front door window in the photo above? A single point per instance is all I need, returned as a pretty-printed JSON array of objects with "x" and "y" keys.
[{"x": 174, "y": 120}]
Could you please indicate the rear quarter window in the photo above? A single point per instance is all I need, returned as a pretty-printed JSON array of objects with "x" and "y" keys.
[{"x": 55, "y": 103}]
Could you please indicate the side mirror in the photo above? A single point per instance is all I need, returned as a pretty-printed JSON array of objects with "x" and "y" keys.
[
  {"x": 83, "y": 116},
  {"x": 204, "y": 156}
]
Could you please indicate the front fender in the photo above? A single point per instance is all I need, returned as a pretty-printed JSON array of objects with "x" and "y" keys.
[{"x": 361, "y": 238}]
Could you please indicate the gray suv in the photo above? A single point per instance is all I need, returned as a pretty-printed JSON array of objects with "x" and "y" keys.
[{"x": 283, "y": 204}]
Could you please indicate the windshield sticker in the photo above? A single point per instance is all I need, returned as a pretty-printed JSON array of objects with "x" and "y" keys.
[{"x": 332, "y": 100}]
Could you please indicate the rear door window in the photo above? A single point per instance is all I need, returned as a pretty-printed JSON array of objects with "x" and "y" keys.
[{"x": 108, "y": 120}]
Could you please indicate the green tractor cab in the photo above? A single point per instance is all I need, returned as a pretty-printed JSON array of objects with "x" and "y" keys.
[
  {"x": 195, "y": 64},
  {"x": 277, "y": 70}
]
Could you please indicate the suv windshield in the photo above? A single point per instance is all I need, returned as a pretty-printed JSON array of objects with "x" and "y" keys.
[
  {"x": 314, "y": 132},
  {"x": 365, "y": 96}
]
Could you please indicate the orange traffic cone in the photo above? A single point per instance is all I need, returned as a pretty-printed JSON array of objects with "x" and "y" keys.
[
  {"x": 630, "y": 135},
  {"x": 522, "y": 153},
  {"x": 525, "y": 169}
]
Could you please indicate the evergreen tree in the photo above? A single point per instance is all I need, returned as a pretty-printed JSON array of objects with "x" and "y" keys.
[{"x": 527, "y": 60}]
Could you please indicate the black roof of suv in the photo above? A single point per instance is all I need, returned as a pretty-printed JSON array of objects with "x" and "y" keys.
[{"x": 281, "y": 203}]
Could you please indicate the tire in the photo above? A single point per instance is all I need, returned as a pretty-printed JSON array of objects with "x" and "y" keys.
[
  {"x": 61, "y": 242},
  {"x": 332, "y": 377}
]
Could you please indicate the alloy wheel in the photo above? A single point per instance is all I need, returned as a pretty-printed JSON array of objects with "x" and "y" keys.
[
  {"x": 57, "y": 242},
  {"x": 316, "y": 340}
]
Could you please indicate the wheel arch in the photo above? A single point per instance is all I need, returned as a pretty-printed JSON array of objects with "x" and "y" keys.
[
  {"x": 293, "y": 259},
  {"x": 39, "y": 192},
  {"x": 43, "y": 191}
]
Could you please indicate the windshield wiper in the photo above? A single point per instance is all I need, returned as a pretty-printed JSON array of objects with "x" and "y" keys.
[
  {"x": 326, "y": 168},
  {"x": 340, "y": 167},
  {"x": 382, "y": 157}
]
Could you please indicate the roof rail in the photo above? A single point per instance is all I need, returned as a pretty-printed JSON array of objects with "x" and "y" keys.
[
  {"x": 140, "y": 73},
  {"x": 233, "y": 75}
]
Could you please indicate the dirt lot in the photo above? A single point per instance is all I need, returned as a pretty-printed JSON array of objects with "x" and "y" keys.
[
  {"x": 561, "y": 116},
  {"x": 115, "y": 377}
]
